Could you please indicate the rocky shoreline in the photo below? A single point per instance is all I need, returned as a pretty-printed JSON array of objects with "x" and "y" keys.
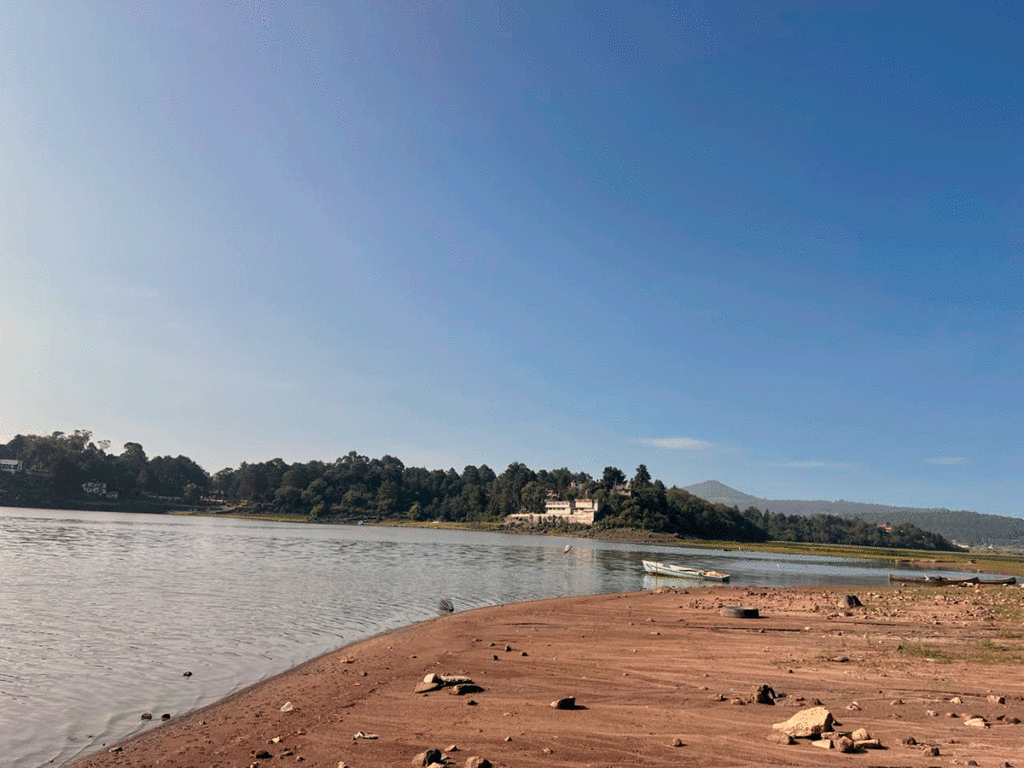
[{"x": 911, "y": 677}]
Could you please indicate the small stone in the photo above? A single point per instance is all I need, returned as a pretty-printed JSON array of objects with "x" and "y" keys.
[
  {"x": 737, "y": 702},
  {"x": 1013, "y": 720},
  {"x": 287, "y": 707},
  {"x": 931, "y": 713},
  {"x": 823, "y": 743},
  {"x": 186, "y": 674},
  {"x": 508, "y": 648},
  {"x": 286, "y": 753},
  {"x": 114, "y": 749},
  {"x": 427, "y": 687},
  {"x": 677, "y": 742},
  {"x": 548, "y": 751},
  {"x": 524, "y": 653},
  {"x": 972, "y": 762},
  {"x": 860, "y": 734},
  {"x": 854, "y": 706},
  {"x": 976, "y": 722},
  {"x": 993, "y": 699},
  {"x": 276, "y": 740},
  {"x": 568, "y": 702},
  {"x": 480, "y": 762},
  {"x": 867, "y": 744},
  {"x": 956, "y": 700},
  {"x": 762, "y": 694},
  {"x": 896, "y": 702},
  {"x": 456, "y": 680},
  {"x": 908, "y": 741},
  {"x": 471, "y": 703},
  {"x": 931, "y": 751},
  {"x": 494, "y": 657},
  {"x": 463, "y": 688},
  {"x": 778, "y": 737},
  {"x": 262, "y": 755},
  {"x": 342, "y": 764},
  {"x": 426, "y": 758},
  {"x": 508, "y": 738},
  {"x": 452, "y": 748},
  {"x": 433, "y": 678},
  {"x": 165, "y": 716},
  {"x": 147, "y": 715},
  {"x": 844, "y": 744}
]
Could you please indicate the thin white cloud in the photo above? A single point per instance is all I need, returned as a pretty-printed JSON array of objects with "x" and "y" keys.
[
  {"x": 947, "y": 461},
  {"x": 676, "y": 443},
  {"x": 812, "y": 464}
]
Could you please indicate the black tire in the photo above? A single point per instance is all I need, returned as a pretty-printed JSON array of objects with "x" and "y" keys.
[{"x": 739, "y": 612}]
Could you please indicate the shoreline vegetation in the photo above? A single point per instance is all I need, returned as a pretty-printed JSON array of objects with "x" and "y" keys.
[
  {"x": 73, "y": 471},
  {"x": 912, "y": 673}
]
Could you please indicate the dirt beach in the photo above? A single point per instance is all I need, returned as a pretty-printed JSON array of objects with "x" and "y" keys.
[{"x": 658, "y": 678}]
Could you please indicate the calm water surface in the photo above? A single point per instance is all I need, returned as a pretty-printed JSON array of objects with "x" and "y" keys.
[{"x": 101, "y": 613}]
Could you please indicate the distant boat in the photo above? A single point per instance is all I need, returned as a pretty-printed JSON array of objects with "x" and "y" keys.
[
  {"x": 942, "y": 581},
  {"x": 667, "y": 569}
]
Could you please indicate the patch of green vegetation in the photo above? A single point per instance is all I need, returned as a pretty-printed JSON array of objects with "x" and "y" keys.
[
  {"x": 920, "y": 650},
  {"x": 1008, "y": 611},
  {"x": 988, "y": 651}
]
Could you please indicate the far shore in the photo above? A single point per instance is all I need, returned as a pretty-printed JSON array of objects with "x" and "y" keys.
[
  {"x": 918, "y": 676},
  {"x": 1010, "y": 564}
]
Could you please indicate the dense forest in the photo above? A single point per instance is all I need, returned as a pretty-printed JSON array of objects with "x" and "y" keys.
[{"x": 62, "y": 470}]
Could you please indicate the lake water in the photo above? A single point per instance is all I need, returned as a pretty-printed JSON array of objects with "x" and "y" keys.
[{"x": 102, "y": 613}]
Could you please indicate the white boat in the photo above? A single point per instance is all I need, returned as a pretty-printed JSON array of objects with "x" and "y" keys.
[{"x": 667, "y": 569}]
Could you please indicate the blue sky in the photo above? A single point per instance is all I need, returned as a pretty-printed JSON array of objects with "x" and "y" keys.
[{"x": 771, "y": 244}]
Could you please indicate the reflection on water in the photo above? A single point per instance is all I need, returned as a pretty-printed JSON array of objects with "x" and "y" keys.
[{"x": 101, "y": 613}]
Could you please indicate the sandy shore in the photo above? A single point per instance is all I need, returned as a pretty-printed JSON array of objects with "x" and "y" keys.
[{"x": 659, "y": 678}]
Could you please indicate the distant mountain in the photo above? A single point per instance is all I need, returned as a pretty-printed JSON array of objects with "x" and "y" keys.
[
  {"x": 720, "y": 493},
  {"x": 961, "y": 526}
]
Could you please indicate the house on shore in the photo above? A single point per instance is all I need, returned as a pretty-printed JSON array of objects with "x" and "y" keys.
[
  {"x": 11, "y": 465},
  {"x": 580, "y": 511}
]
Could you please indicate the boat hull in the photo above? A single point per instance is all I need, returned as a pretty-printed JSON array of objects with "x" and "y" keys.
[
  {"x": 681, "y": 572},
  {"x": 941, "y": 581}
]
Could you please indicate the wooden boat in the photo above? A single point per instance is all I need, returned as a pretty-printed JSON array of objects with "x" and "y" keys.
[
  {"x": 932, "y": 581},
  {"x": 998, "y": 582},
  {"x": 667, "y": 569}
]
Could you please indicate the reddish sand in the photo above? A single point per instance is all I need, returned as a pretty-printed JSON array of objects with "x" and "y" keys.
[{"x": 660, "y": 678}]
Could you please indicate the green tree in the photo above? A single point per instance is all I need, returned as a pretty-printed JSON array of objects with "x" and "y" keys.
[{"x": 642, "y": 477}]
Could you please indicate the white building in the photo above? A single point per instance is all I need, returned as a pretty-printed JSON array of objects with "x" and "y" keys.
[
  {"x": 582, "y": 511},
  {"x": 11, "y": 465}
]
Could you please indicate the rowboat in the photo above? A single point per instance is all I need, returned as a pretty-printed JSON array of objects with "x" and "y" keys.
[
  {"x": 942, "y": 581},
  {"x": 931, "y": 581},
  {"x": 667, "y": 569}
]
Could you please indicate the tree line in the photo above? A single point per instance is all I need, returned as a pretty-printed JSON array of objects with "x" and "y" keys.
[{"x": 356, "y": 487}]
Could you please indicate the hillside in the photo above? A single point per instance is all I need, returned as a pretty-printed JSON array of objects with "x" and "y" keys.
[{"x": 959, "y": 525}]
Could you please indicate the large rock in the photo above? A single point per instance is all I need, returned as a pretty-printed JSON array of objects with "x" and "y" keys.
[{"x": 807, "y": 722}]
